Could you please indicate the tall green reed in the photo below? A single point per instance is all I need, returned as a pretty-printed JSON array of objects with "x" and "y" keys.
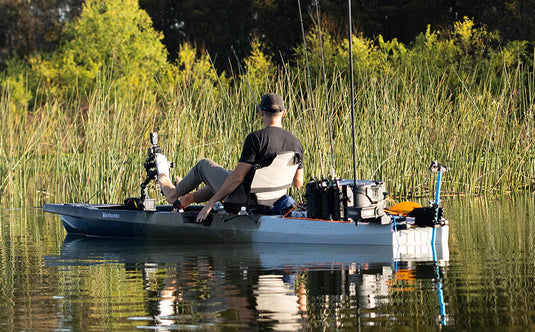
[{"x": 92, "y": 148}]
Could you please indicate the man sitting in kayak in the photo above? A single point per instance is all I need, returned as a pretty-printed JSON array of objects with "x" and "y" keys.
[{"x": 225, "y": 184}]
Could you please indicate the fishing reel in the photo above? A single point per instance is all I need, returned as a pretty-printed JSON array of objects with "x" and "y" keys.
[{"x": 155, "y": 165}]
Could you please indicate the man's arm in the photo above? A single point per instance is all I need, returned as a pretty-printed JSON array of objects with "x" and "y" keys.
[
  {"x": 231, "y": 183},
  {"x": 298, "y": 178}
]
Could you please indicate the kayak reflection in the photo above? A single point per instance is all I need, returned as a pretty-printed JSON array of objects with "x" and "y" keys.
[{"x": 261, "y": 286}]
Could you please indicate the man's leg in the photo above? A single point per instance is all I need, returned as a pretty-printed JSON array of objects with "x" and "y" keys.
[
  {"x": 207, "y": 172},
  {"x": 202, "y": 195},
  {"x": 213, "y": 175}
]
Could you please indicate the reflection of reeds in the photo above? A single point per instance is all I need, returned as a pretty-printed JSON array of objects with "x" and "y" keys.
[
  {"x": 92, "y": 149},
  {"x": 493, "y": 245}
]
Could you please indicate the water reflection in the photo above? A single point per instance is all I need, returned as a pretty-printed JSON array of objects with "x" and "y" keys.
[
  {"x": 49, "y": 284},
  {"x": 255, "y": 286}
]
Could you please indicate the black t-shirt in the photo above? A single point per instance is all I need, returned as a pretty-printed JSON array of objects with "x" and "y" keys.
[{"x": 269, "y": 141}]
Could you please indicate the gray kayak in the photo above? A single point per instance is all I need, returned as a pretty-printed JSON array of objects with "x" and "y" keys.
[{"x": 109, "y": 220}]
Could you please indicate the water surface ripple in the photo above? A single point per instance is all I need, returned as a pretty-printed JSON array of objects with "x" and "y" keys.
[{"x": 58, "y": 283}]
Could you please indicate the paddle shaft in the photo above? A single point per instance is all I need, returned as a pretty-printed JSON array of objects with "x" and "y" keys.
[
  {"x": 437, "y": 194},
  {"x": 437, "y": 202}
]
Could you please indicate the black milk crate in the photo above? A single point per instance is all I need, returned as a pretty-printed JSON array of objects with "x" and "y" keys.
[{"x": 338, "y": 200}]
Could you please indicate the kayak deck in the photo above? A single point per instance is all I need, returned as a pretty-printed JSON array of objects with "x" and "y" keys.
[{"x": 108, "y": 220}]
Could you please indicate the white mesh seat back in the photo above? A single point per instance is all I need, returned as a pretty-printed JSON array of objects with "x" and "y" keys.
[{"x": 270, "y": 182}]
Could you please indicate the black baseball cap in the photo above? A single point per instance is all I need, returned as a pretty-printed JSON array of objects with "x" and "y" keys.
[{"x": 271, "y": 102}]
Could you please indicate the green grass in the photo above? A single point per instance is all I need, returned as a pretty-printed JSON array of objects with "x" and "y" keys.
[{"x": 92, "y": 148}]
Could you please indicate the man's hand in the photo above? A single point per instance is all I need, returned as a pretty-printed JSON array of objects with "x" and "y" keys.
[{"x": 205, "y": 211}]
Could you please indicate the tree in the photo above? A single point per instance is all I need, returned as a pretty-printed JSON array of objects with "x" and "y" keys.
[
  {"x": 218, "y": 25},
  {"x": 111, "y": 37},
  {"x": 33, "y": 26},
  {"x": 514, "y": 19}
]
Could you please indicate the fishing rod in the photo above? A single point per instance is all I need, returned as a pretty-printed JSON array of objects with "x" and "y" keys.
[
  {"x": 242, "y": 72},
  {"x": 309, "y": 85},
  {"x": 335, "y": 198},
  {"x": 329, "y": 115},
  {"x": 350, "y": 32}
]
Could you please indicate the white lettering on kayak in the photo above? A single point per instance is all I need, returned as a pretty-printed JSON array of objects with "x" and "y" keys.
[
  {"x": 110, "y": 215},
  {"x": 315, "y": 227}
]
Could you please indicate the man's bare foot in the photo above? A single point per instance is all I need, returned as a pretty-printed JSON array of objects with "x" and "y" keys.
[
  {"x": 167, "y": 188},
  {"x": 187, "y": 199}
]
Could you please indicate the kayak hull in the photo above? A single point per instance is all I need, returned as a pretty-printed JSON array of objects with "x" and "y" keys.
[{"x": 107, "y": 220}]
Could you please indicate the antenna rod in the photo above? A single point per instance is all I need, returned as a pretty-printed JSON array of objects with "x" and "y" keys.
[
  {"x": 242, "y": 72},
  {"x": 329, "y": 115},
  {"x": 309, "y": 88},
  {"x": 352, "y": 93}
]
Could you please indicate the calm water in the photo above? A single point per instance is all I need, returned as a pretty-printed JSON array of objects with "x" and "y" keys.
[{"x": 50, "y": 282}]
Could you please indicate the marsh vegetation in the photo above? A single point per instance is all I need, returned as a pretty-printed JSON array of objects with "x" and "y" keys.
[{"x": 75, "y": 122}]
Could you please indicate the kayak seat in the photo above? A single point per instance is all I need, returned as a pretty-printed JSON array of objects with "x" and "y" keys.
[
  {"x": 268, "y": 181},
  {"x": 273, "y": 177}
]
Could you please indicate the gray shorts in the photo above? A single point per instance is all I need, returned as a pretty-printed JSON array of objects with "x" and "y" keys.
[{"x": 213, "y": 176}]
